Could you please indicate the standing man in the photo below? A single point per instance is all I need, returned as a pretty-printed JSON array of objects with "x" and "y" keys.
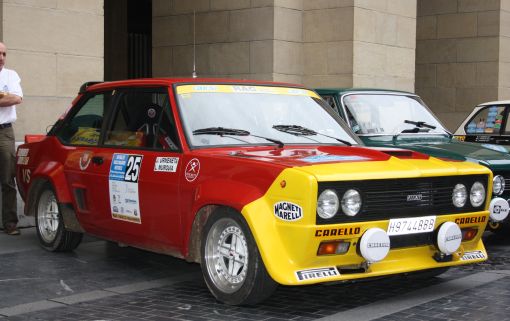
[{"x": 10, "y": 96}]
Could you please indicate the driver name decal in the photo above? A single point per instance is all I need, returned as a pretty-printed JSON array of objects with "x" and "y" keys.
[
  {"x": 166, "y": 164},
  {"x": 287, "y": 211},
  {"x": 123, "y": 187}
]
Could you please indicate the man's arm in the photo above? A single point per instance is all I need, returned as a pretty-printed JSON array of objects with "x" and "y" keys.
[{"x": 7, "y": 100}]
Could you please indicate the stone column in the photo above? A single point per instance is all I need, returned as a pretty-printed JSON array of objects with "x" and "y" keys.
[
  {"x": 319, "y": 43},
  {"x": 462, "y": 55},
  {"x": 55, "y": 46}
]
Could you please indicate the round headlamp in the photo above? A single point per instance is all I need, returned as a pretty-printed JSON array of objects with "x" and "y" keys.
[
  {"x": 477, "y": 194},
  {"x": 459, "y": 195},
  {"x": 327, "y": 204},
  {"x": 351, "y": 202},
  {"x": 498, "y": 185}
]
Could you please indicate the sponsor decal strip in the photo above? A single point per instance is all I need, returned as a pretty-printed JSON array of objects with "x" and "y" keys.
[
  {"x": 332, "y": 158},
  {"x": 188, "y": 89}
]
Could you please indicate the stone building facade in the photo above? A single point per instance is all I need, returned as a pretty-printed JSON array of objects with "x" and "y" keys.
[{"x": 455, "y": 53}]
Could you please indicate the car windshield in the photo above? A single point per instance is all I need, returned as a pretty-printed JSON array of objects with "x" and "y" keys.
[
  {"x": 383, "y": 114},
  {"x": 223, "y": 115}
]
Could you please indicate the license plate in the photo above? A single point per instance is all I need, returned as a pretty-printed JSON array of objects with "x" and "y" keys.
[{"x": 411, "y": 225}]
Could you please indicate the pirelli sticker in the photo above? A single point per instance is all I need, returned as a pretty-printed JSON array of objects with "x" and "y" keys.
[
  {"x": 317, "y": 274},
  {"x": 473, "y": 255}
]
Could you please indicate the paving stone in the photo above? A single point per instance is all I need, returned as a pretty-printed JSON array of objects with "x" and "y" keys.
[{"x": 143, "y": 288}]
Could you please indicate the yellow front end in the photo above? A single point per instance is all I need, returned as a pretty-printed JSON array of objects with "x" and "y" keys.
[{"x": 290, "y": 246}]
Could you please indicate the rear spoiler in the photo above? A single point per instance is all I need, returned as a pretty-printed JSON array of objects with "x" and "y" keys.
[{"x": 83, "y": 88}]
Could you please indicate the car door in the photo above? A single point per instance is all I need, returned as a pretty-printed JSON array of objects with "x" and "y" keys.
[
  {"x": 142, "y": 158},
  {"x": 83, "y": 168},
  {"x": 489, "y": 125}
]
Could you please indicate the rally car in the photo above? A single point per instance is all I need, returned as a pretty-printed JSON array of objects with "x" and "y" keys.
[
  {"x": 401, "y": 119},
  {"x": 258, "y": 182},
  {"x": 487, "y": 124}
]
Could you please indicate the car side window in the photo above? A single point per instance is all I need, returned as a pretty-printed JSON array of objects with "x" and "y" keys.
[
  {"x": 84, "y": 126},
  {"x": 486, "y": 121},
  {"x": 143, "y": 119}
]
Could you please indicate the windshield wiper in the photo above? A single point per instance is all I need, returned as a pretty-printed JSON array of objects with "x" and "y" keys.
[
  {"x": 419, "y": 125},
  {"x": 297, "y": 130},
  {"x": 422, "y": 124},
  {"x": 221, "y": 131}
]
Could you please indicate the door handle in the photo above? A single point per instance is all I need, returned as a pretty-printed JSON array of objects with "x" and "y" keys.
[{"x": 98, "y": 160}]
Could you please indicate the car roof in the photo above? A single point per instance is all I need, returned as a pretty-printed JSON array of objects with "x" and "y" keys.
[
  {"x": 91, "y": 86},
  {"x": 497, "y": 102},
  {"x": 342, "y": 91}
]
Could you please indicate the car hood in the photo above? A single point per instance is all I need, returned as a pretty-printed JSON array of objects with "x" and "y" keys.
[
  {"x": 335, "y": 163},
  {"x": 443, "y": 147}
]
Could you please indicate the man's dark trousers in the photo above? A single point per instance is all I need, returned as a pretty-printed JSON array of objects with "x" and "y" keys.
[{"x": 7, "y": 172}]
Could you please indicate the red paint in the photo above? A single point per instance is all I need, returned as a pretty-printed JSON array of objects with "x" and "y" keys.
[{"x": 169, "y": 201}]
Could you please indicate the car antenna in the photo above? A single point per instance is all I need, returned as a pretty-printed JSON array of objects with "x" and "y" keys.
[{"x": 194, "y": 73}]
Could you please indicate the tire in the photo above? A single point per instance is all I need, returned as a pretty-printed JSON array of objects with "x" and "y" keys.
[
  {"x": 231, "y": 264},
  {"x": 50, "y": 225},
  {"x": 498, "y": 228}
]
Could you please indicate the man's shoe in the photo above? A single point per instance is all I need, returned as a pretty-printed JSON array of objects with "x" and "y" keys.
[{"x": 11, "y": 229}]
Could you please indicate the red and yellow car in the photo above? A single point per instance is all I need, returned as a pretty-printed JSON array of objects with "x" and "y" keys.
[{"x": 258, "y": 182}]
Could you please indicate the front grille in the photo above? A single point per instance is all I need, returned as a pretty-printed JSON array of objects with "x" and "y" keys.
[{"x": 388, "y": 198}]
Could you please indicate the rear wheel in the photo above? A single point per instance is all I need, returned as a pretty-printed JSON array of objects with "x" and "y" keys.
[
  {"x": 231, "y": 263},
  {"x": 50, "y": 225}
]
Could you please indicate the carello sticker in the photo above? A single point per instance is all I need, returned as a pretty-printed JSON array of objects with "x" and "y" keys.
[
  {"x": 337, "y": 231},
  {"x": 288, "y": 211},
  {"x": 314, "y": 274},
  {"x": 470, "y": 220}
]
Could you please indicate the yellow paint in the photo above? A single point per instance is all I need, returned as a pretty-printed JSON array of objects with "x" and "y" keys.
[{"x": 287, "y": 247}]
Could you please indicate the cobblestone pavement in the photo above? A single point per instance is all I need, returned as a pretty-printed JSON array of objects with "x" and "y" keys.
[{"x": 101, "y": 281}]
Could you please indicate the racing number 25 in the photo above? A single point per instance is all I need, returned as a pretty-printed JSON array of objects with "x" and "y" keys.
[{"x": 133, "y": 168}]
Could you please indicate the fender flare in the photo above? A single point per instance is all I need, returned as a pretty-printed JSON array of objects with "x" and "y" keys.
[
  {"x": 208, "y": 198},
  {"x": 52, "y": 172}
]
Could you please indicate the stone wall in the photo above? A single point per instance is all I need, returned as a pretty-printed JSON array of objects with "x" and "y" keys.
[
  {"x": 55, "y": 46},
  {"x": 320, "y": 43},
  {"x": 462, "y": 55}
]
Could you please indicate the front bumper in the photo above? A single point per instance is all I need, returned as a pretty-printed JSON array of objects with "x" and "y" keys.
[{"x": 289, "y": 250}]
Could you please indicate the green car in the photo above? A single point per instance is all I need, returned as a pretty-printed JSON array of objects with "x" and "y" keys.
[{"x": 384, "y": 118}]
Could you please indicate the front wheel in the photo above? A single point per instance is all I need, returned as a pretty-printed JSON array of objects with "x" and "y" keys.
[
  {"x": 231, "y": 264},
  {"x": 50, "y": 225}
]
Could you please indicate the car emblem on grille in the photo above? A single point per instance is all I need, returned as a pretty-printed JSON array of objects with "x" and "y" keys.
[{"x": 414, "y": 197}]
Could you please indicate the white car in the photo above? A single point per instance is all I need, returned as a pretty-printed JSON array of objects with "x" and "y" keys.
[{"x": 487, "y": 124}]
